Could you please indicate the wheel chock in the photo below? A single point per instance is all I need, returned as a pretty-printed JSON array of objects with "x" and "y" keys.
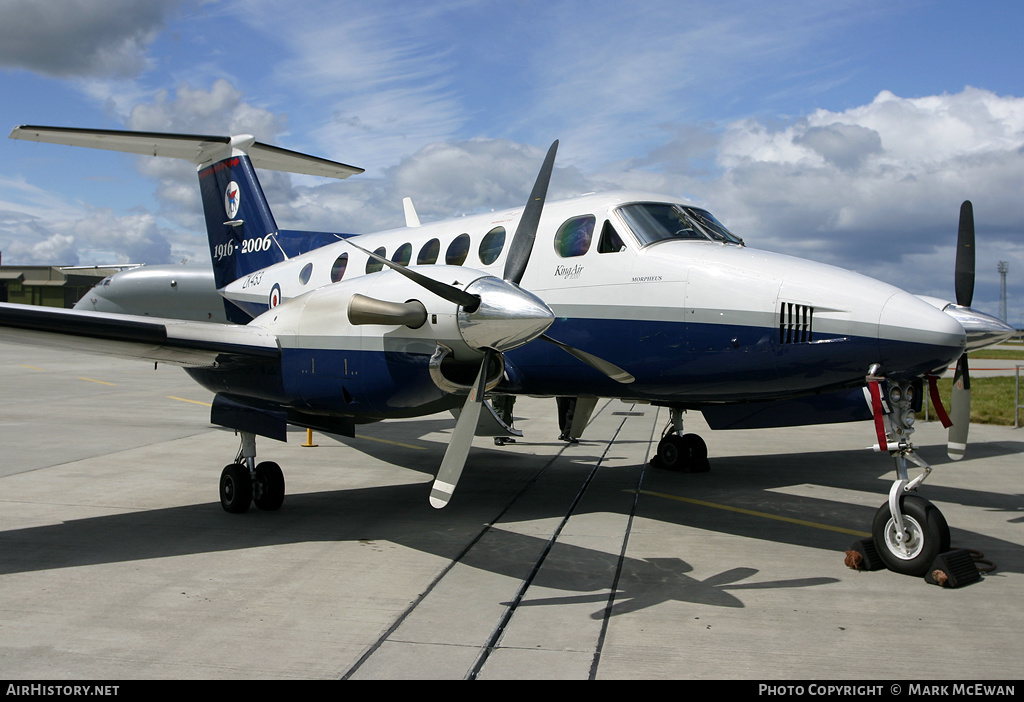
[
  {"x": 954, "y": 568},
  {"x": 864, "y": 556}
]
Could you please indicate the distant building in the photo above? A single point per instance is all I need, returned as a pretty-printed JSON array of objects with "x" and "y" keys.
[{"x": 50, "y": 286}]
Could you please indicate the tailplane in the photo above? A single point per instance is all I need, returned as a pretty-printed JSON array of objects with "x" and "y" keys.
[{"x": 241, "y": 228}]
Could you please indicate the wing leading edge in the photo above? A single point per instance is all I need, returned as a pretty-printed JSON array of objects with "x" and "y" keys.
[{"x": 173, "y": 341}]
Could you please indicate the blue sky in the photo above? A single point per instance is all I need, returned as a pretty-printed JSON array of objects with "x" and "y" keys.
[{"x": 847, "y": 132}]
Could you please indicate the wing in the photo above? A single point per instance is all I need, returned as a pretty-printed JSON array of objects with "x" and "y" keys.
[{"x": 174, "y": 341}]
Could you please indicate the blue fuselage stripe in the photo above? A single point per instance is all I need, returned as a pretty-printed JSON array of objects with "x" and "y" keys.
[{"x": 673, "y": 362}]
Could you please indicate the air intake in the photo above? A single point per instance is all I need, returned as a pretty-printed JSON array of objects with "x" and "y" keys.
[{"x": 795, "y": 323}]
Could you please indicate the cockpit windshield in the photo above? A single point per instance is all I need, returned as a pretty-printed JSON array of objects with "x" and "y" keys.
[{"x": 652, "y": 222}]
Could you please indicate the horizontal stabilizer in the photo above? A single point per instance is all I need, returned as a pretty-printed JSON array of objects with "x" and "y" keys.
[{"x": 196, "y": 148}]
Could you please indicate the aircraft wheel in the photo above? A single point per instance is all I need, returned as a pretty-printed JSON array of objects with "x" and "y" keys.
[
  {"x": 927, "y": 536},
  {"x": 687, "y": 453},
  {"x": 235, "y": 488},
  {"x": 268, "y": 487}
]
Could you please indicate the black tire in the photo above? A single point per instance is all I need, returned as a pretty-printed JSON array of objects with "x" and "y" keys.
[
  {"x": 235, "y": 488},
  {"x": 928, "y": 536},
  {"x": 268, "y": 488},
  {"x": 687, "y": 453}
]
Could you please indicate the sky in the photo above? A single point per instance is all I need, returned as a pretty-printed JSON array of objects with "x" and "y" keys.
[{"x": 847, "y": 132}]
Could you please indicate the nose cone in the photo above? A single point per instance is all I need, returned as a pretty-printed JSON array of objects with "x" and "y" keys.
[
  {"x": 915, "y": 338},
  {"x": 982, "y": 329},
  {"x": 507, "y": 317}
]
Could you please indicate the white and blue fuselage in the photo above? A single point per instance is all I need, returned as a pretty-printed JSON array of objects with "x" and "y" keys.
[{"x": 695, "y": 320}]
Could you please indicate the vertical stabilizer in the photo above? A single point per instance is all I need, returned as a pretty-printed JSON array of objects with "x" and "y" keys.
[
  {"x": 242, "y": 231},
  {"x": 241, "y": 228}
]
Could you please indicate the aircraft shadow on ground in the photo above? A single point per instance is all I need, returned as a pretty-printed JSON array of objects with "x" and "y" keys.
[{"x": 400, "y": 514}]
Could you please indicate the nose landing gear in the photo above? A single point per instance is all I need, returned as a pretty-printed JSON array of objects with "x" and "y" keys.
[{"x": 909, "y": 532}]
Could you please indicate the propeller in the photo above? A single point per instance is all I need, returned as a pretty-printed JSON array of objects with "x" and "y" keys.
[
  {"x": 960, "y": 401},
  {"x": 526, "y": 233},
  {"x": 500, "y": 318},
  {"x": 462, "y": 438}
]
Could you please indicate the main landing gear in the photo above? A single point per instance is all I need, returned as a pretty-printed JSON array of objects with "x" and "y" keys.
[
  {"x": 245, "y": 482},
  {"x": 908, "y": 531},
  {"x": 686, "y": 453}
]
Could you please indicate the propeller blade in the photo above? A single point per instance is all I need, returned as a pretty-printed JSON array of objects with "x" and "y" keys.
[
  {"x": 462, "y": 439},
  {"x": 442, "y": 290},
  {"x": 598, "y": 364},
  {"x": 960, "y": 411},
  {"x": 965, "y": 256},
  {"x": 522, "y": 243}
]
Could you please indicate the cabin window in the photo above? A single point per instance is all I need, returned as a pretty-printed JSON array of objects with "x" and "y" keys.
[
  {"x": 372, "y": 265},
  {"x": 429, "y": 253},
  {"x": 338, "y": 269},
  {"x": 574, "y": 236},
  {"x": 305, "y": 273},
  {"x": 491, "y": 245},
  {"x": 403, "y": 254},
  {"x": 457, "y": 251},
  {"x": 610, "y": 241}
]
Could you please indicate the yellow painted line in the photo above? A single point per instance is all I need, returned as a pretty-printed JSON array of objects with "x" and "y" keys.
[
  {"x": 101, "y": 382},
  {"x": 194, "y": 402},
  {"x": 32, "y": 367},
  {"x": 393, "y": 443},
  {"x": 753, "y": 513}
]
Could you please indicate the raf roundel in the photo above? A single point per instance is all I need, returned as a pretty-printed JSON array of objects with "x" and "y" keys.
[
  {"x": 232, "y": 198},
  {"x": 275, "y": 296}
]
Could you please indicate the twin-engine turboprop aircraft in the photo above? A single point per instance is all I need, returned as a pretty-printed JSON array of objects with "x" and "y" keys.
[{"x": 623, "y": 295}]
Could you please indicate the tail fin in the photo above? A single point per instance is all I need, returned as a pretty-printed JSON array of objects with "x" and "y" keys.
[{"x": 240, "y": 226}]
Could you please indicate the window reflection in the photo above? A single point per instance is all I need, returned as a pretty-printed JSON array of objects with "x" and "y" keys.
[
  {"x": 403, "y": 254},
  {"x": 429, "y": 253},
  {"x": 457, "y": 251},
  {"x": 491, "y": 245},
  {"x": 574, "y": 236},
  {"x": 338, "y": 269},
  {"x": 372, "y": 265}
]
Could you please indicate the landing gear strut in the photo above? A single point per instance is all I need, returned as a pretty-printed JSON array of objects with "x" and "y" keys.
[
  {"x": 908, "y": 531},
  {"x": 245, "y": 482},
  {"x": 686, "y": 453}
]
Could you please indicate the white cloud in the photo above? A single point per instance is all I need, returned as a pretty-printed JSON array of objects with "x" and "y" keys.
[{"x": 878, "y": 187}]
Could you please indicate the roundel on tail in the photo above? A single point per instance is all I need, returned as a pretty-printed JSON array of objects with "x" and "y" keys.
[
  {"x": 275, "y": 296},
  {"x": 232, "y": 198}
]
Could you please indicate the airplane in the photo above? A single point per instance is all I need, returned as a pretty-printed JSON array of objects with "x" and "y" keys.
[
  {"x": 620, "y": 295},
  {"x": 181, "y": 291},
  {"x": 184, "y": 290}
]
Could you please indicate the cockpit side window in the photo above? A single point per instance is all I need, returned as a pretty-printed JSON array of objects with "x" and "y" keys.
[
  {"x": 715, "y": 229},
  {"x": 655, "y": 221},
  {"x": 652, "y": 222},
  {"x": 610, "y": 241}
]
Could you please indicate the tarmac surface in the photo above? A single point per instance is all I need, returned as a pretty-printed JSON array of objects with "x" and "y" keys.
[{"x": 552, "y": 560}]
